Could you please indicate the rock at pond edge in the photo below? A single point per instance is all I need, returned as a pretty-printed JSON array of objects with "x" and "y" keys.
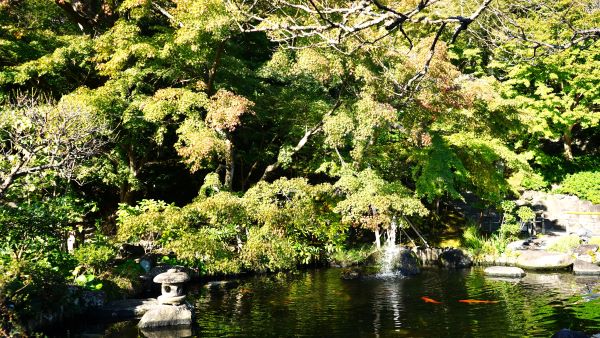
[
  {"x": 543, "y": 260},
  {"x": 504, "y": 271}
]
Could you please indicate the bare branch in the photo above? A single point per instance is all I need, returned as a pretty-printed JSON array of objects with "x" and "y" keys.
[{"x": 36, "y": 137}]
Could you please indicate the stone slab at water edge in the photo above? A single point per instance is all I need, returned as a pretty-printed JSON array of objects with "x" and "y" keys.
[
  {"x": 543, "y": 260},
  {"x": 504, "y": 271},
  {"x": 585, "y": 268}
]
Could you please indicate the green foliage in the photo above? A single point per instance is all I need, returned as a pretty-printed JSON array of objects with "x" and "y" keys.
[
  {"x": 439, "y": 171},
  {"x": 206, "y": 249},
  {"x": 350, "y": 256},
  {"x": 565, "y": 244},
  {"x": 268, "y": 250},
  {"x": 149, "y": 221},
  {"x": 585, "y": 185},
  {"x": 35, "y": 227},
  {"x": 372, "y": 202},
  {"x": 28, "y": 288},
  {"x": 88, "y": 281},
  {"x": 95, "y": 257},
  {"x": 472, "y": 240},
  {"x": 308, "y": 140},
  {"x": 302, "y": 211}
]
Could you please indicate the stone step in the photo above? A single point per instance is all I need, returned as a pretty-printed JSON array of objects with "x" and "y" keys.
[
  {"x": 504, "y": 271},
  {"x": 585, "y": 268}
]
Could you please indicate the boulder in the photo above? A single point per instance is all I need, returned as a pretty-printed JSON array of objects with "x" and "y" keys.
[
  {"x": 454, "y": 259},
  {"x": 128, "y": 251},
  {"x": 402, "y": 260},
  {"x": 585, "y": 268},
  {"x": 406, "y": 263},
  {"x": 351, "y": 273},
  {"x": 166, "y": 315},
  {"x": 543, "y": 260},
  {"x": 504, "y": 271}
]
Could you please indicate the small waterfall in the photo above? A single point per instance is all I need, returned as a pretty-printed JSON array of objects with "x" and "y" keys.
[{"x": 390, "y": 251}]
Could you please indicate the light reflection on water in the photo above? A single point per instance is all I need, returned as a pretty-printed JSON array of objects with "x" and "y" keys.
[{"x": 320, "y": 304}]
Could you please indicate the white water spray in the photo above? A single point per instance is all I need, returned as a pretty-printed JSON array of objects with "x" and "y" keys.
[{"x": 390, "y": 251}]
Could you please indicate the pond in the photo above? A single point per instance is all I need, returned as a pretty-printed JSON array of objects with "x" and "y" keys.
[{"x": 319, "y": 303}]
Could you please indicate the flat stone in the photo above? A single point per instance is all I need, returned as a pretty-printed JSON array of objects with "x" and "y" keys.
[
  {"x": 516, "y": 245},
  {"x": 126, "y": 308},
  {"x": 166, "y": 315},
  {"x": 586, "y": 249},
  {"x": 585, "y": 268},
  {"x": 585, "y": 258},
  {"x": 543, "y": 260},
  {"x": 504, "y": 271}
]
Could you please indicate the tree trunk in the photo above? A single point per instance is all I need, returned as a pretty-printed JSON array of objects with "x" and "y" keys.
[
  {"x": 229, "y": 165},
  {"x": 567, "y": 141}
]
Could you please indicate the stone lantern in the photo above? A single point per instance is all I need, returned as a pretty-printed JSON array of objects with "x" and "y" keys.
[{"x": 171, "y": 286}]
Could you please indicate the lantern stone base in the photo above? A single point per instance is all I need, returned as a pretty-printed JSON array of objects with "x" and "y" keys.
[{"x": 166, "y": 315}]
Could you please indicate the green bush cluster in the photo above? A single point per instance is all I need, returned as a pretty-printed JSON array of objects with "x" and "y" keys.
[
  {"x": 274, "y": 226},
  {"x": 95, "y": 257},
  {"x": 28, "y": 289},
  {"x": 585, "y": 185}
]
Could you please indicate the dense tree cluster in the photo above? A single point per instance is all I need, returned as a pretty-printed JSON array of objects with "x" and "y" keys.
[{"x": 258, "y": 135}]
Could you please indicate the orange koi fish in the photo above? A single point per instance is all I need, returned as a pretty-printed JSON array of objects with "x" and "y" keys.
[
  {"x": 476, "y": 301},
  {"x": 429, "y": 300}
]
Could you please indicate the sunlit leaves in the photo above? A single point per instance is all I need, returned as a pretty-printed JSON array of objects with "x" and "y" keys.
[
  {"x": 371, "y": 202},
  {"x": 198, "y": 144},
  {"x": 225, "y": 110}
]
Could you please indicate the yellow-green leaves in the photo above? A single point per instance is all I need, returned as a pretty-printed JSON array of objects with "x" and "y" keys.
[
  {"x": 176, "y": 102},
  {"x": 225, "y": 110},
  {"x": 372, "y": 202},
  {"x": 198, "y": 144}
]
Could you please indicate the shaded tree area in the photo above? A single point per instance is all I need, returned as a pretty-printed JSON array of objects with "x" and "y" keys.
[{"x": 238, "y": 136}]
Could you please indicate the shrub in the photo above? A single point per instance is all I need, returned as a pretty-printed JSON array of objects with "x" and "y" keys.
[
  {"x": 149, "y": 221},
  {"x": 27, "y": 289},
  {"x": 585, "y": 185},
  {"x": 352, "y": 256},
  {"x": 268, "y": 250},
  {"x": 565, "y": 244},
  {"x": 95, "y": 257},
  {"x": 207, "y": 250},
  {"x": 471, "y": 239}
]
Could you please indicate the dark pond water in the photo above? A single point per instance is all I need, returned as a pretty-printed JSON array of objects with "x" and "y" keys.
[{"x": 320, "y": 304}]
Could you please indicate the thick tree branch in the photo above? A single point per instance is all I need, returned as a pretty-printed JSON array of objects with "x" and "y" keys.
[{"x": 302, "y": 142}]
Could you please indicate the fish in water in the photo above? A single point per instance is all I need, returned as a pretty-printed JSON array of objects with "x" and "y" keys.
[
  {"x": 429, "y": 300},
  {"x": 477, "y": 301}
]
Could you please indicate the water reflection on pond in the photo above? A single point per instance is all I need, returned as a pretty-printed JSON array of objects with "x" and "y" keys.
[{"x": 319, "y": 303}]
